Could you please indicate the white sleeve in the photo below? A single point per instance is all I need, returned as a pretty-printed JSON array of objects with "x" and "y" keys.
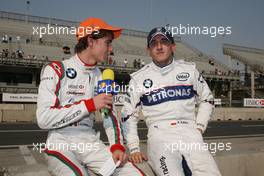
[
  {"x": 130, "y": 117},
  {"x": 204, "y": 100},
  {"x": 113, "y": 128},
  {"x": 50, "y": 114}
]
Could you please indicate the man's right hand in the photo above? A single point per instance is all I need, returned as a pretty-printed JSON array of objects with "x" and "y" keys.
[
  {"x": 103, "y": 101},
  {"x": 137, "y": 157}
]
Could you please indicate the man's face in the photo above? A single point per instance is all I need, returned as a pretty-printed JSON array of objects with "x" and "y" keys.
[
  {"x": 161, "y": 49},
  {"x": 102, "y": 47}
]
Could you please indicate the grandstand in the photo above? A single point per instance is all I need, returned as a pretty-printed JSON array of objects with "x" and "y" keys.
[
  {"x": 37, "y": 51},
  {"x": 252, "y": 57}
]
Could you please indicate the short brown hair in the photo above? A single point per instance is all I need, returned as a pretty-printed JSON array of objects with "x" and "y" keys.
[{"x": 83, "y": 42}]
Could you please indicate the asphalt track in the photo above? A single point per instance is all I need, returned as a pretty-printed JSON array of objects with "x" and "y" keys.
[{"x": 13, "y": 134}]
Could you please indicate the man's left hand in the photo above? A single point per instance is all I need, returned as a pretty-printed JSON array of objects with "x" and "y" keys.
[
  {"x": 121, "y": 156},
  {"x": 199, "y": 129}
]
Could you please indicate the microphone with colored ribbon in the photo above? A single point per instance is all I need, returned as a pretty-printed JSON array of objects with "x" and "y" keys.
[{"x": 107, "y": 85}]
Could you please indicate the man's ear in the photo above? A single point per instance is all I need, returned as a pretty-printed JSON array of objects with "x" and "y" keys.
[
  {"x": 148, "y": 50},
  {"x": 173, "y": 47},
  {"x": 90, "y": 41}
]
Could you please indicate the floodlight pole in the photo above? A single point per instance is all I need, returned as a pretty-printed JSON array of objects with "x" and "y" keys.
[{"x": 252, "y": 84}]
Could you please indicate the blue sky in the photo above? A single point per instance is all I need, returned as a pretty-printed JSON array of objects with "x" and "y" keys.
[{"x": 244, "y": 16}]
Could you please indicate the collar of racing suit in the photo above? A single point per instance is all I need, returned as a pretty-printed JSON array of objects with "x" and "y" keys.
[
  {"x": 82, "y": 65},
  {"x": 163, "y": 70}
]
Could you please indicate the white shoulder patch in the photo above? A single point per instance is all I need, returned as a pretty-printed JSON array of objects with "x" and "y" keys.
[
  {"x": 182, "y": 61},
  {"x": 43, "y": 68},
  {"x": 146, "y": 67},
  {"x": 185, "y": 64}
]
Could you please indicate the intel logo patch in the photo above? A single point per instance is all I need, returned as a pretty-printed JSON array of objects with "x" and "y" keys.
[{"x": 183, "y": 76}]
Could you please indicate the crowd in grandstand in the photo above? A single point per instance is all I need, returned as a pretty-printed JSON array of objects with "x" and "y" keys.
[
  {"x": 10, "y": 39},
  {"x": 138, "y": 63},
  {"x": 13, "y": 55},
  {"x": 19, "y": 54}
]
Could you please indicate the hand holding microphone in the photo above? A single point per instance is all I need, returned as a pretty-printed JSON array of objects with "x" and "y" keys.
[
  {"x": 103, "y": 101},
  {"x": 106, "y": 88}
]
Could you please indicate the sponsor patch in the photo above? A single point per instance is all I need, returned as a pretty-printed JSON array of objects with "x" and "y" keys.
[
  {"x": 75, "y": 93},
  {"x": 184, "y": 76},
  {"x": 71, "y": 73},
  {"x": 166, "y": 94},
  {"x": 67, "y": 119},
  {"x": 148, "y": 83},
  {"x": 80, "y": 86},
  {"x": 46, "y": 78},
  {"x": 163, "y": 165}
]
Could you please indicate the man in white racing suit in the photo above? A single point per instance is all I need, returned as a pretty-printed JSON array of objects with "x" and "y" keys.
[
  {"x": 66, "y": 106},
  {"x": 167, "y": 90}
]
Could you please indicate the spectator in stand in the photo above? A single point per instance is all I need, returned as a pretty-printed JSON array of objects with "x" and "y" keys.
[
  {"x": 19, "y": 53},
  {"x": 34, "y": 57},
  {"x": 40, "y": 40},
  {"x": 138, "y": 63},
  {"x": 211, "y": 62},
  {"x": 10, "y": 39},
  {"x": 135, "y": 63},
  {"x": 142, "y": 63},
  {"x": 27, "y": 41},
  {"x": 114, "y": 62},
  {"x": 3, "y": 53},
  {"x": 6, "y": 53},
  {"x": 13, "y": 55},
  {"x": 18, "y": 39},
  {"x": 125, "y": 63},
  {"x": 5, "y": 39},
  {"x": 110, "y": 61}
]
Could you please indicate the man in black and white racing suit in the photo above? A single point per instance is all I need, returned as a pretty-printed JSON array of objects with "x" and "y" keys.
[{"x": 167, "y": 90}]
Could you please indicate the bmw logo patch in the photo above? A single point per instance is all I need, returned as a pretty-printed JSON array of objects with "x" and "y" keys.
[
  {"x": 147, "y": 83},
  {"x": 71, "y": 73}
]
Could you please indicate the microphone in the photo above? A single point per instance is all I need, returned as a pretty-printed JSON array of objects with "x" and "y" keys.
[{"x": 107, "y": 85}]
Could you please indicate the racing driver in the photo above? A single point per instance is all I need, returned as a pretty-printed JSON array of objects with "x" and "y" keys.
[
  {"x": 67, "y": 103},
  {"x": 167, "y": 90}
]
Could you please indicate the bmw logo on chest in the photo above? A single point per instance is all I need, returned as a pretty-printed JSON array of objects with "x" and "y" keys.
[
  {"x": 147, "y": 83},
  {"x": 71, "y": 73}
]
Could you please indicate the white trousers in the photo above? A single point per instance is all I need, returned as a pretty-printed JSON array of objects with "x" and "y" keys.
[
  {"x": 73, "y": 154},
  {"x": 170, "y": 142}
]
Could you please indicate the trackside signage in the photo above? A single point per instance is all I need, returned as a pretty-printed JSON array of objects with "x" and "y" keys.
[
  {"x": 119, "y": 99},
  {"x": 252, "y": 102},
  {"x": 9, "y": 97},
  {"x": 217, "y": 101}
]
